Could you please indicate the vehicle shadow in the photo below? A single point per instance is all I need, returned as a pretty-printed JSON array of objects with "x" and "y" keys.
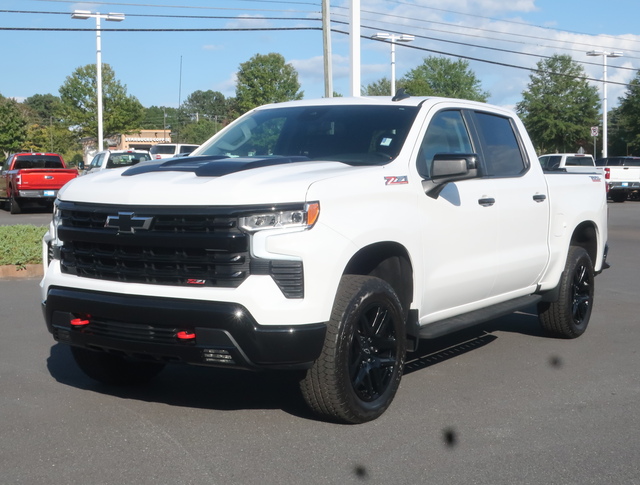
[
  {"x": 231, "y": 389},
  {"x": 437, "y": 350}
]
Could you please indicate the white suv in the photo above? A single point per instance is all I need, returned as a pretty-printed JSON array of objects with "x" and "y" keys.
[{"x": 170, "y": 150}]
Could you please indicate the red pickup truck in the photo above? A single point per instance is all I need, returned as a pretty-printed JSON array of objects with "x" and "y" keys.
[{"x": 33, "y": 177}]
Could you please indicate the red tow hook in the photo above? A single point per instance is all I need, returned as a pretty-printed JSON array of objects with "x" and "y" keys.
[
  {"x": 186, "y": 335},
  {"x": 80, "y": 320}
]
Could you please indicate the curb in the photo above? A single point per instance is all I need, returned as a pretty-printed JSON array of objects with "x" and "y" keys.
[{"x": 13, "y": 272}]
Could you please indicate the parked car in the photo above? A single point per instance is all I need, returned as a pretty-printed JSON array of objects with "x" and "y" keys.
[
  {"x": 33, "y": 177},
  {"x": 116, "y": 159},
  {"x": 170, "y": 150},
  {"x": 623, "y": 177},
  {"x": 570, "y": 162}
]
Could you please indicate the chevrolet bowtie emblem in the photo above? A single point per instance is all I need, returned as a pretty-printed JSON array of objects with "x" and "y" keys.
[{"x": 128, "y": 222}]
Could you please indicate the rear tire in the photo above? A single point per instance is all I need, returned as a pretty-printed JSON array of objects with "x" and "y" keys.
[
  {"x": 619, "y": 196},
  {"x": 358, "y": 373},
  {"x": 568, "y": 317},
  {"x": 14, "y": 205},
  {"x": 114, "y": 370}
]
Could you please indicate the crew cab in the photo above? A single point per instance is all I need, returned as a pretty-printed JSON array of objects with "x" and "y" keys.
[
  {"x": 622, "y": 175},
  {"x": 324, "y": 236},
  {"x": 33, "y": 177}
]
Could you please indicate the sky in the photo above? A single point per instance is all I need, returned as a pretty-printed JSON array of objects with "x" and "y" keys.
[{"x": 503, "y": 40}]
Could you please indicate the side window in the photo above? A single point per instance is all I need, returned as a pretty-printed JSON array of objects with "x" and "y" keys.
[
  {"x": 447, "y": 133},
  {"x": 96, "y": 160},
  {"x": 502, "y": 154}
]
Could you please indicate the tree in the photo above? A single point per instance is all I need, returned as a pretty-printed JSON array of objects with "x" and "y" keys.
[
  {"x": 200, "y": 131},
  {"x": 559, "y": 106},
  {"x": 626, "y": 120},
  {"x": 266, "y": 79},
  {"x": 210, "y": 105},
  {"x": 121, "y": 112},
  {"x": 13, "y": 126},
  {"x": 439, "y": 76},
  {"x": 381, "y": 87},
  {"x": 44, "y": 107}
]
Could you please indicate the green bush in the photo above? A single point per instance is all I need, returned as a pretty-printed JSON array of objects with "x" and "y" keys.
[{"x": 21, "y": 245}]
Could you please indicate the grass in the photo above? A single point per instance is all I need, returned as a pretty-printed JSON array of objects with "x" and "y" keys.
[{"x": 21, "y": 245}]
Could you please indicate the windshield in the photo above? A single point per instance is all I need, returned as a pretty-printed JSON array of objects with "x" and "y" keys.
[{"x": 360, "y": 135}]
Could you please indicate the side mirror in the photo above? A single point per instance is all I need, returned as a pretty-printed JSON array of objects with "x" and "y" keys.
[
  {"x": 80, "y": 165},
  {"x": 450, "y": 167}
]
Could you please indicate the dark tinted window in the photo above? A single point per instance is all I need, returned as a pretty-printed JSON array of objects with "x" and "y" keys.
[
  {"x": 579, "y": 161},
  {"x": 367, "y": 135},
  {"x": 187, "y": 148},
  {"x": 163, "y": 149},
  {"x": 550, "y": 162},
  {"x": 37, "y": 161},
  {"x": 447, "y": 133},
  {"x": 501, "y": 150}
]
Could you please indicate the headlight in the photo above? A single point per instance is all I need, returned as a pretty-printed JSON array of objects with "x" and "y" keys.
[
  {"x": 56, "y": 220},
  {"x": 304, "y": 218}
]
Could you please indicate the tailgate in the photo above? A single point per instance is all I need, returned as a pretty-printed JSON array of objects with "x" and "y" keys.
[
  {"x": 42, "y": 179},
  {"x": 624, "y": 174}
]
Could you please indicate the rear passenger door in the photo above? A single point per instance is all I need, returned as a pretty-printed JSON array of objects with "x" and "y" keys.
[
  {"x": 484, "y": 239},
  {"x": 520, "y": 195}
]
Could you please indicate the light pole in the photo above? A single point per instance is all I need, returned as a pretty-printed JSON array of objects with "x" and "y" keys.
[
  {"x": 393, "y": 39},
  {"x": 111, "y": 17},
  {"x": 604, "y": 55}
]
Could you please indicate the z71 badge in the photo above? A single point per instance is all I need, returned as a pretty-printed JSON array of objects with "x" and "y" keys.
[{"x": 396, "y": 180}]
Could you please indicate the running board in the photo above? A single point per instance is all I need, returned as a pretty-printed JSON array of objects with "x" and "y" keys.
[{"x": 453, "y": 324}]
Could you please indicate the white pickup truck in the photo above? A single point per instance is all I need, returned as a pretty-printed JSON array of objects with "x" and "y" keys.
[
  {"x": 623, "y": 177},
  {"x": 327, "y": 236}
]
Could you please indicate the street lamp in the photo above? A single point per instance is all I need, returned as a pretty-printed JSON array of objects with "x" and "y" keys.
[
  {"x": 111, "y": 17},
  {"x": 604, "y": 55},
  {"x": 393, "y": 39}
]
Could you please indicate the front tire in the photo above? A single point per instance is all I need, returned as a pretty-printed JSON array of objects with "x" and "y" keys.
[
  {"x": 114, "y": 370},
  {"x": 358, "y": 373},
  {"x": 568, "y": 317}
]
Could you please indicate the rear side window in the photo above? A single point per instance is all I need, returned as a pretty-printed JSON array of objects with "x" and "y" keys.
[
  {"x": 501, "y": 150},
  {"x": 632, "y": 162}
]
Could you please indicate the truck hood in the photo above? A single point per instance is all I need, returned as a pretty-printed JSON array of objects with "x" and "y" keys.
[{"x": 205, "y": 181}]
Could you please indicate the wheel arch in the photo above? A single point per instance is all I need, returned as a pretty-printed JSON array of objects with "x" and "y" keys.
[
  {"x": 586, "y": 236},
  {"x": 390, "y": 262}
]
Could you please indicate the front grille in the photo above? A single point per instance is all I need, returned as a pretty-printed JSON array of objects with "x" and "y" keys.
[
  {"x": 133, "y": 332},
  {"x": 196, "y": 247}
]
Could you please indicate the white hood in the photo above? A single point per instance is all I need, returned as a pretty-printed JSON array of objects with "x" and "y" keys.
[{"x": 273, "y": 184}]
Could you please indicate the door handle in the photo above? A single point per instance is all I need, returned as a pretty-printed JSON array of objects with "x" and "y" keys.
[
  {"x": 539, "y": 197},
  {"x": 487, "y": 201}
]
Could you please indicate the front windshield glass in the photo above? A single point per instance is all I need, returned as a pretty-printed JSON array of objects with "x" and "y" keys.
[{"x": 359, "y": 135}]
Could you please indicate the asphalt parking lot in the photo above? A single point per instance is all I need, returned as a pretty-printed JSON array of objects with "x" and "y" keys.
[{"x": 500, "y": 404}]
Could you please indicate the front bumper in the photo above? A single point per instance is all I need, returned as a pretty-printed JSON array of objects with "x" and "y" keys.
[{"x": 148, "y": 328}]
